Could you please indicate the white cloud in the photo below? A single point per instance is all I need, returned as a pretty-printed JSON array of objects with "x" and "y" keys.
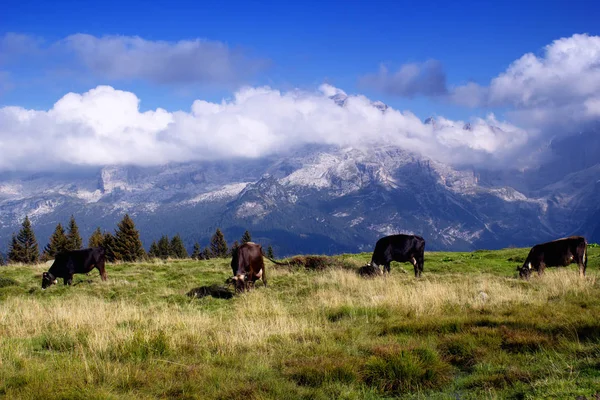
[
  {"x": 104, "y": 126},
  {"x": 552, "y": 91}
]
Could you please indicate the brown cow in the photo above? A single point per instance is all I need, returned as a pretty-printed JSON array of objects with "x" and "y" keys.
[{"x": 248, "y": 266}]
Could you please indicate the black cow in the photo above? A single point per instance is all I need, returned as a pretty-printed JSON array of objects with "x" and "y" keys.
[
  {"x": 72, "y": 262},
  {"x": 401, "y": 248},
  {"x": 558, "y": 253},
  {"x": 248, "y": 266}
]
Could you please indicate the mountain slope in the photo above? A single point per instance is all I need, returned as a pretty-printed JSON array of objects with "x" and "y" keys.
[{"x": 318, "y": 199}]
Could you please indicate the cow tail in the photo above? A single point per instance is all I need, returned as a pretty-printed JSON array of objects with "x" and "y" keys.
[
  {"x": 273, "y": 261},
  {"x": 277, "y": 262},
  {"x": 264, "y": 276}
]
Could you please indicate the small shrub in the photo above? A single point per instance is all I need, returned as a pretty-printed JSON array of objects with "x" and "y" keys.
[
  {"x": 460, "y": 351},
  {"x": 5, "y": 282},
  {"x": 498, "y": 380},
  {"x": 142, "y": 347},
  {"x": 57, "y": 341},
  {"x": 315, "y": 371},
  {"x": 339, "y": 313},
  {"x": 406, "y": 371},
  {"x": 524, "y": 341},
  {"x": 315, "y": 263}
]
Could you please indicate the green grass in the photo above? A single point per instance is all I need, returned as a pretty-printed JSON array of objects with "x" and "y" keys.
[{"x": 468, "y": 329}]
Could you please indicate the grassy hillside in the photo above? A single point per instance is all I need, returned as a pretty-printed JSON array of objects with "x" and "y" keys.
[{"x": 468, "y": 329}]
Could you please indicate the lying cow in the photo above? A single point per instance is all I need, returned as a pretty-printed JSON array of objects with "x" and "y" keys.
[
  {"x": 248, "y": 266},
  {"x": 558, "y": 253},
  {"x": 72, "y": 262},
  {"x": 400, "y": 248}
]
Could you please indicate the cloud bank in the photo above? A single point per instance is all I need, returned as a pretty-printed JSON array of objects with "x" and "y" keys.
[
  {"x": 104, "y": 126},
  {"x": 131, "y": 57},
  {"x": 558, "y": 90}
]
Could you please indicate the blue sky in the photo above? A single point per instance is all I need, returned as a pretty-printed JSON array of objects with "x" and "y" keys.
[
  {"x": 306, "y": 43},
  {"x": 106, "y": 80}
]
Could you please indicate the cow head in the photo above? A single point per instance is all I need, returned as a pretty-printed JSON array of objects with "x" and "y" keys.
[
  {"x": 369, "y": 270},
  {"x": 524, "y": 271},
  {"x": 240, "y": 282},
  {"x": 48, "y": 280}
]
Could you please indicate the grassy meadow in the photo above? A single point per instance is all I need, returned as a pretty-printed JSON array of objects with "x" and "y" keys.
[{"x": 469, "y": 329}]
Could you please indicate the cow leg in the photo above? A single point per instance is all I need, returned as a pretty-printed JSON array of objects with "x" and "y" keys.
[
  {"x": 386, "y": 268},
  {"x": 541, "y": 269},
  {"x": 102, "y": 270},
  {"x": 68, "y": 280},
  {"x": 581, "y": 270},
  {"x": 415, "y": 264}
]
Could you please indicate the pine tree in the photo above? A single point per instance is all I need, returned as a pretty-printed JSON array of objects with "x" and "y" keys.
[
  {"x": 57, "y": 244},
  {"x": 206, "y": 253},
  {"x": 128, "y": 246},
  {"x": 234, "y": 248},
  {"x": 24, "y": 247},
  {"x": 177, "y": 248},
  {"x": 196, "y": 253},
  {"x": 153, "y": 251},
  {"x": 108, "y": 244},
  {"x": 96, "y": 238},
  {"x": 270, "y": 252},
  {"x": 247, "y": 237},
  {"x": 74, "y": 241},
  {"x": 15, "y": 250},
  {"x": 218, "y": 245},
  {"x": 2, "y": 259},
  {"x": 164, "y": 247}
]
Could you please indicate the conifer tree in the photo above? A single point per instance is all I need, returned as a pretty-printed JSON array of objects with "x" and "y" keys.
[
  {"x": 177, "y": 248},
  {"x": 234, "y": 248},
  {"x": 247, "y": 237},
  {"x": 218, "y": 245},
  {"x": 57, "y": 244},
  {"x": 108, "y": 244},
  {"x": 128, "y": 246},
  {"x": 153, "y": 250},
  {"x": 270, "y": 252},
  {"x": 196, "y": 253},
  {"x": 24, "y": 247},
  {"x": 96, "y": 238},
  {"x": 74, "y": 241},
  {"x": 164, "y": 247},
  {"x": 2, "y": 259},
  {"x": 15, "y": 250},
  {"x": 206, "y": 253}
]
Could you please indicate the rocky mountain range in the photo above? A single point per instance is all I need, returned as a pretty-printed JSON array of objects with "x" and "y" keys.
[
  {"x": 322, "y": 199},
  {"x": 317, "y": 200}
]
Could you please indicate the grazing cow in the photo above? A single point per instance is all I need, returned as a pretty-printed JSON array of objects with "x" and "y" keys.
[
  {"x": 401, "y": 248},
  {"x": 558, "y": 253},
  {"x": 248, "y": 266},
  {"x": 72, "y": 262}
]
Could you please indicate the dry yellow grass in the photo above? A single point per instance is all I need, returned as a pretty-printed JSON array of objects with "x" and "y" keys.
[{"x": 134, "y": 337}]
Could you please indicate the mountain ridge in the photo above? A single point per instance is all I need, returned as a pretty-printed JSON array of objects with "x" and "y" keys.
[{"x": 325, "y": 199}]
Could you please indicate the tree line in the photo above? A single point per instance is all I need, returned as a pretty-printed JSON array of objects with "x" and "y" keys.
[{"x": 123, "y": 245}]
